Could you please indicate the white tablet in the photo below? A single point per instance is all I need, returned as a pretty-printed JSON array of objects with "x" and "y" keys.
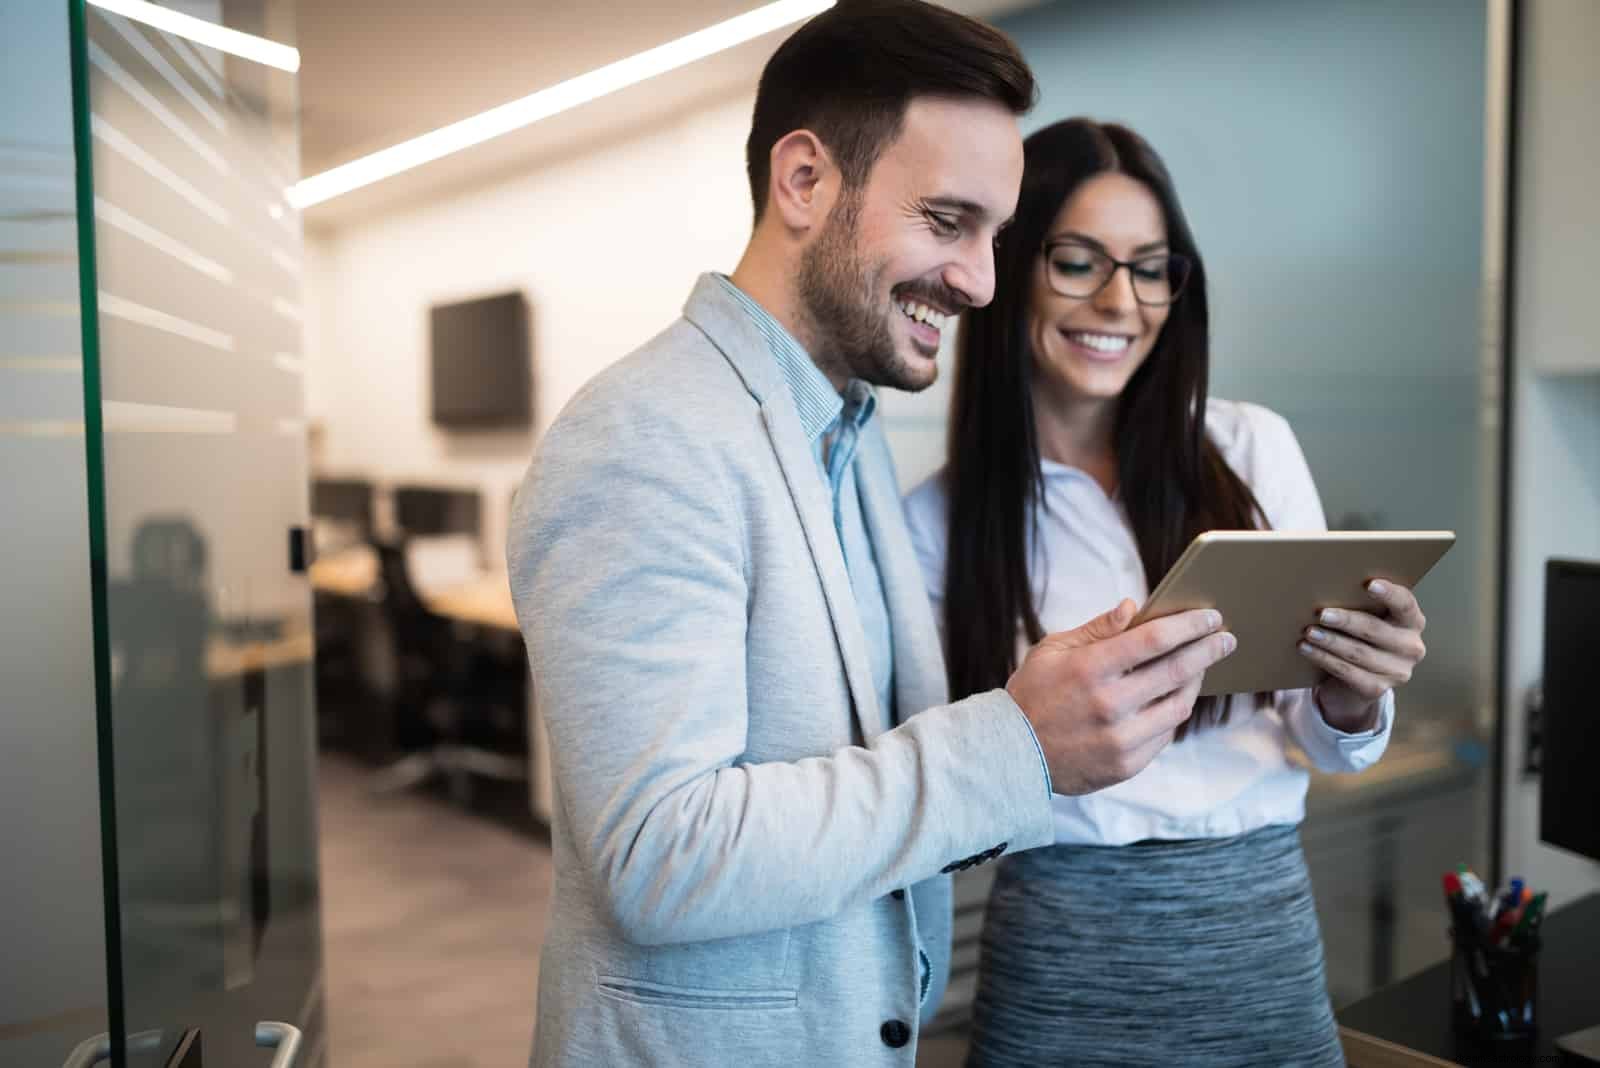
[{"x": 1269, "y": 586}]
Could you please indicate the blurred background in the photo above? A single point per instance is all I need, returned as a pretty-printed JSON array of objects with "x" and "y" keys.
[{"x": 275, "y": 355}]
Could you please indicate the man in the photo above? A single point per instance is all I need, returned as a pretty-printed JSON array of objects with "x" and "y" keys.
[{"x": 760, "y": 786}]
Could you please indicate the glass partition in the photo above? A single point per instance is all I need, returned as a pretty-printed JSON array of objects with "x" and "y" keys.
[{"x": 53, "y": 983}]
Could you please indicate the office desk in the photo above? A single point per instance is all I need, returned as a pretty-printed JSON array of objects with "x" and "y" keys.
[
  {"x": 1409, "y": 1022},
  {"x": 484, "y": 601}
]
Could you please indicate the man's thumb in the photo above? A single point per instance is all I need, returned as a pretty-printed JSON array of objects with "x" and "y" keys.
[{"x": 1110, "y": 624}]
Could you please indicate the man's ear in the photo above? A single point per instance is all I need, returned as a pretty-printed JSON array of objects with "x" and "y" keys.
[{"x": 805, "y": 181}]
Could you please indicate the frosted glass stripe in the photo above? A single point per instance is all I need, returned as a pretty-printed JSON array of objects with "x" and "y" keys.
[
  {"x": 181, "y": 48},
  {"x": 41, "y": 363},
  {"x": 31, "y": 258},
  {"x": 56, "y": 309},
  {"x": 163, "y": 68},
  {"x": 284, "y": 260},
  {"x": 41, "y": 428},
  {"x": 130, "y": 85},
  {"x": 127, "y": 417},
  {"x": 110, "y": 213},
  {"x": 124, "y": 146},
  {"x": 36, "y": 216},
  {"x": 133, "y": 312}
]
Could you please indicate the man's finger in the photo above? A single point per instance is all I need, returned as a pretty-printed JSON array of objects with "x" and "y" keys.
[
  {"x": 1107, "y": 624},
  {"x": 1156, "y": 638},
  {"x": 1173, "y": 672}
]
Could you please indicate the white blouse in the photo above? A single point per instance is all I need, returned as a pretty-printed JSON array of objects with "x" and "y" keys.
[{"x": 1218, "y": 781}]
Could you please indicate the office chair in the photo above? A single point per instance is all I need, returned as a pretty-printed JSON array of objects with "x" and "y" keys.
[{"x": 443, "y": 690}]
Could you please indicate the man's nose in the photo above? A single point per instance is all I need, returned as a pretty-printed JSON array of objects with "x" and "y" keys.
[{"x": 973, "y": 275}]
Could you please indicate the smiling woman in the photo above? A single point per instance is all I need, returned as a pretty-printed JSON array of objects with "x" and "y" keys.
[{"x": 1084, "y": 455}]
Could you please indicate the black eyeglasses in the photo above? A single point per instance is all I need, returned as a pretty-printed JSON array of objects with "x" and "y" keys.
[{"x": 1080, "y": 271}]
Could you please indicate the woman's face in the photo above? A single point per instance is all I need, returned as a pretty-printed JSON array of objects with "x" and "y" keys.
[{"x": 1087, "y": 348}]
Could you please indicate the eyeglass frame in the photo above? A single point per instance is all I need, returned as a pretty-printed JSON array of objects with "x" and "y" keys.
[{"x": 1117, "y": 265}]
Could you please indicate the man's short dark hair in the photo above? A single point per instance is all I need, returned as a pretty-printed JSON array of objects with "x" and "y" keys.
[{"x": 849, "y": 74}]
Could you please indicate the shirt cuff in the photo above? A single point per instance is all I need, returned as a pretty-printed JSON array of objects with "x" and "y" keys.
[
  {"x": 1044, "y": 766},
  {"x": 1332, "y": 749}
]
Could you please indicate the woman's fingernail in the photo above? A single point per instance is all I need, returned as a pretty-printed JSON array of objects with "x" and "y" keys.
[
  {"x": 1331, "y": 616},
  {"x": 1305, "y": 647},
  {"x": 1316, "y": 634},
  {"x": 1377, "y": 587},
  {"x": 1229, "y": 644}
]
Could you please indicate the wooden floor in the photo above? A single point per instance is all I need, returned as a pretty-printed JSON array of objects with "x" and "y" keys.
[{"x": 432, "y": 920}]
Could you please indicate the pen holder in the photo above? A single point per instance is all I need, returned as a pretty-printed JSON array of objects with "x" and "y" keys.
[{"x": 1494, "y": 989}]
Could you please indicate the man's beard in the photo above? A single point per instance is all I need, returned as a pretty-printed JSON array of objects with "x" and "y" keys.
[{"x": 850, "y": 327}]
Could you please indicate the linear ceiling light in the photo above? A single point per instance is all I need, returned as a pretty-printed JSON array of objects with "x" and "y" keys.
[
  {"x": 554, "y": 100},
  {"x": 233, "y": 42}
]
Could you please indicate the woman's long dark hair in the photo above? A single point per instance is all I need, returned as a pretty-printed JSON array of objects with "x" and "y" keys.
[{"x": 1171, "y": 477}]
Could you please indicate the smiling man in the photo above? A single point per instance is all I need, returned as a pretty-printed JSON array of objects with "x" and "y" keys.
[{"x": 761, "y": 785}]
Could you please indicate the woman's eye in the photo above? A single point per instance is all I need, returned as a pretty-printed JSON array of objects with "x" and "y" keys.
[
  {"x": 1155, "y": 271},
  {"x": 1071, "y": 267}
]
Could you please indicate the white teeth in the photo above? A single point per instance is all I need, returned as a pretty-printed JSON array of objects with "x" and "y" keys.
[
  {"x": 1100, "y": 342},
  {"x": 923, "y": 314}
]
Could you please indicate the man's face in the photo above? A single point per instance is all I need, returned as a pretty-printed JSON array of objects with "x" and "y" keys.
[{"x": 900, "y": 257}]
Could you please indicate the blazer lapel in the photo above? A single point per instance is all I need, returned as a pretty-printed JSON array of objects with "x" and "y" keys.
[{"x": 731, "y": 330}]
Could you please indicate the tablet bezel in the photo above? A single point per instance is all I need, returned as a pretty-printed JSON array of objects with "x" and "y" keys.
[{"x": 1268, "y": 583}]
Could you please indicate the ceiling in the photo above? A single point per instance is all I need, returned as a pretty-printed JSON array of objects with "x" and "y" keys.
[{"x": 376, "y": 72}]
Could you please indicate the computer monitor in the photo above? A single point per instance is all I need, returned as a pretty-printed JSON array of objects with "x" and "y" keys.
[
  {"x": 1569, "y": 786},
  {"x": 345, "y": 499},
  {"x": 1569, "y": 780},
  {"x": 423, "y": 511}
]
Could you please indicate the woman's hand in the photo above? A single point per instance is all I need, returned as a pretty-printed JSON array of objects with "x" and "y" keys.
[{"x": 1364, "y": 655}]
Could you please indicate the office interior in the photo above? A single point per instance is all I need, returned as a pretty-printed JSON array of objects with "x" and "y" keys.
[{"x": 269, "y": 750}]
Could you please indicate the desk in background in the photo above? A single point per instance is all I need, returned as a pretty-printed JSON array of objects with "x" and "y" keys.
[
  {"x": 1410, "y": 1023},
  {"x": 484, "y": 601}
]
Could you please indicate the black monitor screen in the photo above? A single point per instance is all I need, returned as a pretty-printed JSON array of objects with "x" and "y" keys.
[
  {"x": 1569, "y": 789},
  {"x": 482, "y": 368}
]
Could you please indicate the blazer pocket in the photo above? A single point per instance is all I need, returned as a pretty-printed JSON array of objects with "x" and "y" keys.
[{"x": 660, "y": 995}]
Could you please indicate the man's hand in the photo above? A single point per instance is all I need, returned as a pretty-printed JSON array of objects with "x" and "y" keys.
[{"x": 1104, "y": 700}]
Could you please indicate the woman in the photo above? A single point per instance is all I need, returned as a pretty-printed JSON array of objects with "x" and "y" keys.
[{"x": 1172, "y": 923}]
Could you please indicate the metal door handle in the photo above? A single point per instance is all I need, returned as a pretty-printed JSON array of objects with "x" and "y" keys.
[
  {"x": 285, "y": 1038},
  {"x": 92, "y": 1051}
]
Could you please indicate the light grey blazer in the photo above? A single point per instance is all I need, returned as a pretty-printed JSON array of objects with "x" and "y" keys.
[{"x": 733, "y": 811}]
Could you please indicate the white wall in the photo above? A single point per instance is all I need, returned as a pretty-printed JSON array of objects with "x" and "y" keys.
[
  {"x": 1555, "y": 505},
  {"x": 606, "y": 246}
]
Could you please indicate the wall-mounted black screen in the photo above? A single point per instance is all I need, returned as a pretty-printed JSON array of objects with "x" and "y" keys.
[{"x": 482, "y": 366}]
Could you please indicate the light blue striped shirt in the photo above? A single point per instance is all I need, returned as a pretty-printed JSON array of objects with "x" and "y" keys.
[{"x": 833, "y": 424}]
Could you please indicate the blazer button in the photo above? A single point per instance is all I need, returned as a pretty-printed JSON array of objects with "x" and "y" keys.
[
  {"x": 895, "y": 1033},
  {"x": 898, "y": 895}
]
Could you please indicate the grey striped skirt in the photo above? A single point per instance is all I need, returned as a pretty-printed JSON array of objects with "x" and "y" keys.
[{"x": 1199, "y": 952}]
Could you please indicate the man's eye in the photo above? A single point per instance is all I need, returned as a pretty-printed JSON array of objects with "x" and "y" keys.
[{"x": 943, "y": 225}]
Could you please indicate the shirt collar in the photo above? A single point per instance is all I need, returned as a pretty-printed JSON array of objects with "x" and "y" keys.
[{"x": 819, "y": 404}]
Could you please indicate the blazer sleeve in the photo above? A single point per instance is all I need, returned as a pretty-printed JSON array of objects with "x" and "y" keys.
[{"x": 627, "y": 561}]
